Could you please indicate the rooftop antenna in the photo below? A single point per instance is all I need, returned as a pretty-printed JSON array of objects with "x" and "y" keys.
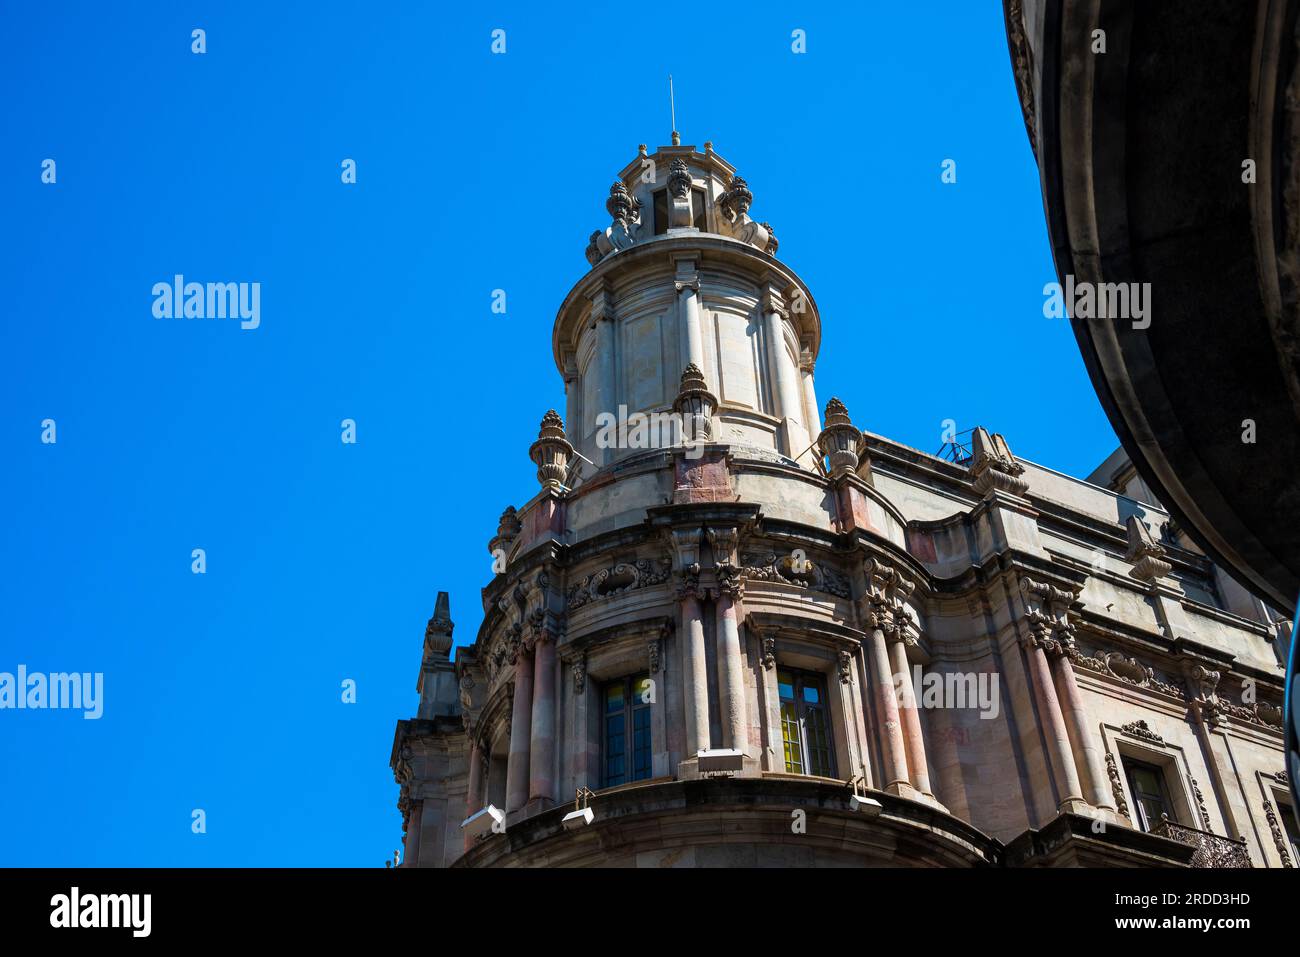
[{"x": 672, "y": 106}]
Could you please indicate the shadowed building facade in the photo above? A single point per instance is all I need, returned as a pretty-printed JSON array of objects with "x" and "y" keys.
[{"x": 743, "y": 632}]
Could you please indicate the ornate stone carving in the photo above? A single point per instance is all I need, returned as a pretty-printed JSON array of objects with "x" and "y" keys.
[
  {"x": 1201, "y": 685},
  {"x": 1265, "y": 714},
  {"x": 617, "y": 580},
  {"x": 731, "y": 580},
  {"x": 1279, "y": 838},
  {"x": 1022, "y": 64},
  {"x": 679, "y": 179},
  {"x": 787, "y": 570},
  {"x": 733, "y": 216},
  {"x": 1201, "y": 811},
  {"x": 1145, "y": 553},
  {"x": 1129, "y": 670},
  {"x": 887, "y": 594},
  {"x": 844, "y": 662},
  {"x": 1140, "y": 729},
  {"x": 769, "y": 651},
  {"x": 652, "y": 649},
  {"x": 993, "y": 467},
  {"x": 1047, "y": 612},
  {"x": 579, "y": 674},
  {"x": 1116, "y": 788},
  {"x": 625, "y": 210},
  {"x": 403, "y": 771}
]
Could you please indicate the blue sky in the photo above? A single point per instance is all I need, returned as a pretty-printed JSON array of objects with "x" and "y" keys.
[{"x": 474, "y": 172}]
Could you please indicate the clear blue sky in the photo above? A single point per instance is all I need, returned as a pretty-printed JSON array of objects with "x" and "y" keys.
[{"x": 475, "y": 172}]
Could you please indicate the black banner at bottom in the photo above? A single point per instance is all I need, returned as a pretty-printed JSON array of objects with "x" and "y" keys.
[{"x": 429, "y": 908}]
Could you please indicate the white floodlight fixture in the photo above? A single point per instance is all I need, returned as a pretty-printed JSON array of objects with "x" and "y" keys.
[
  {"x": 577, "y": 819},
  {"x": 581, "y": 815},
  {"x": 483, "y": 822},
  {"x": 859, "y": 801},
  {"x": 721, "y": 761}
]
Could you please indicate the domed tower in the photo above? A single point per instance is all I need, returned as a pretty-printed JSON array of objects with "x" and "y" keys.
[{"x": 706, "y": 635}]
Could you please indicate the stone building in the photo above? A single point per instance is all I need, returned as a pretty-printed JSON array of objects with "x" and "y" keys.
[{"x": 729, "y": 630}]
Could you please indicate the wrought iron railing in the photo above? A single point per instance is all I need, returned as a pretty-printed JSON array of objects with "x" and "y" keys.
[{"x": 1212, "y": 850}]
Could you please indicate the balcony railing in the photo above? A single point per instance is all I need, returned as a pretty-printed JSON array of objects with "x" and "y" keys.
[{"x": 1212, "y": 850}]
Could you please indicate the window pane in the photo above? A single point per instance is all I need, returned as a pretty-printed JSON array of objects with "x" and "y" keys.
[
  {"x": 661, "y": 212},
  {"x": 819, "y": 744},
  {"x": 700, "y": 208},
  {"x": 614, "y": 698},
  {"x": 790, "y": 737},
  {"x": 785, "y": 681},
  {"x": 614, "y": 749},
  {"x": 1145, "y": 780},
  {"x": 641, "y": 744},
  {"x": 812, "y": 694}
]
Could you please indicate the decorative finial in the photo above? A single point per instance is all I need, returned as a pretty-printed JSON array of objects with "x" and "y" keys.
[
  {"x": 839, "y": 440},
  {"x": 437, "y": 633},
  {"x": 551, "y": 451},
  {"x": 695, "y": 404}
]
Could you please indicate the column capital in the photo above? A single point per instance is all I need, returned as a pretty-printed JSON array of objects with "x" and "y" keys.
[
  {"x": 774, "y": 302},
  {"x": 601, "y": 296}
]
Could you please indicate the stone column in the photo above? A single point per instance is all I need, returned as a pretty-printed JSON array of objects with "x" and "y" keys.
[
  {"x": 411, "y": 849},
  {"x": 541, "y": 760},
  {"x": 521, "y": 714},
  {"x": 1053, "y": 724},
  {"x": 913, "y": 743},
  {"x": 602, "y": 318},
  {"x": 812, "y": 414},
  {"x": 785, "y": 384},
  {"x": 474, "y": 800},
  {"x": 895, "y": 769},
  {"x": 573, "y": 402},
  {"x": 731, "y": 668},
  {"x": 1095, "y": 781},
  {"x": 688, "y": 297},
  {"x": 695, "y": 671}
]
